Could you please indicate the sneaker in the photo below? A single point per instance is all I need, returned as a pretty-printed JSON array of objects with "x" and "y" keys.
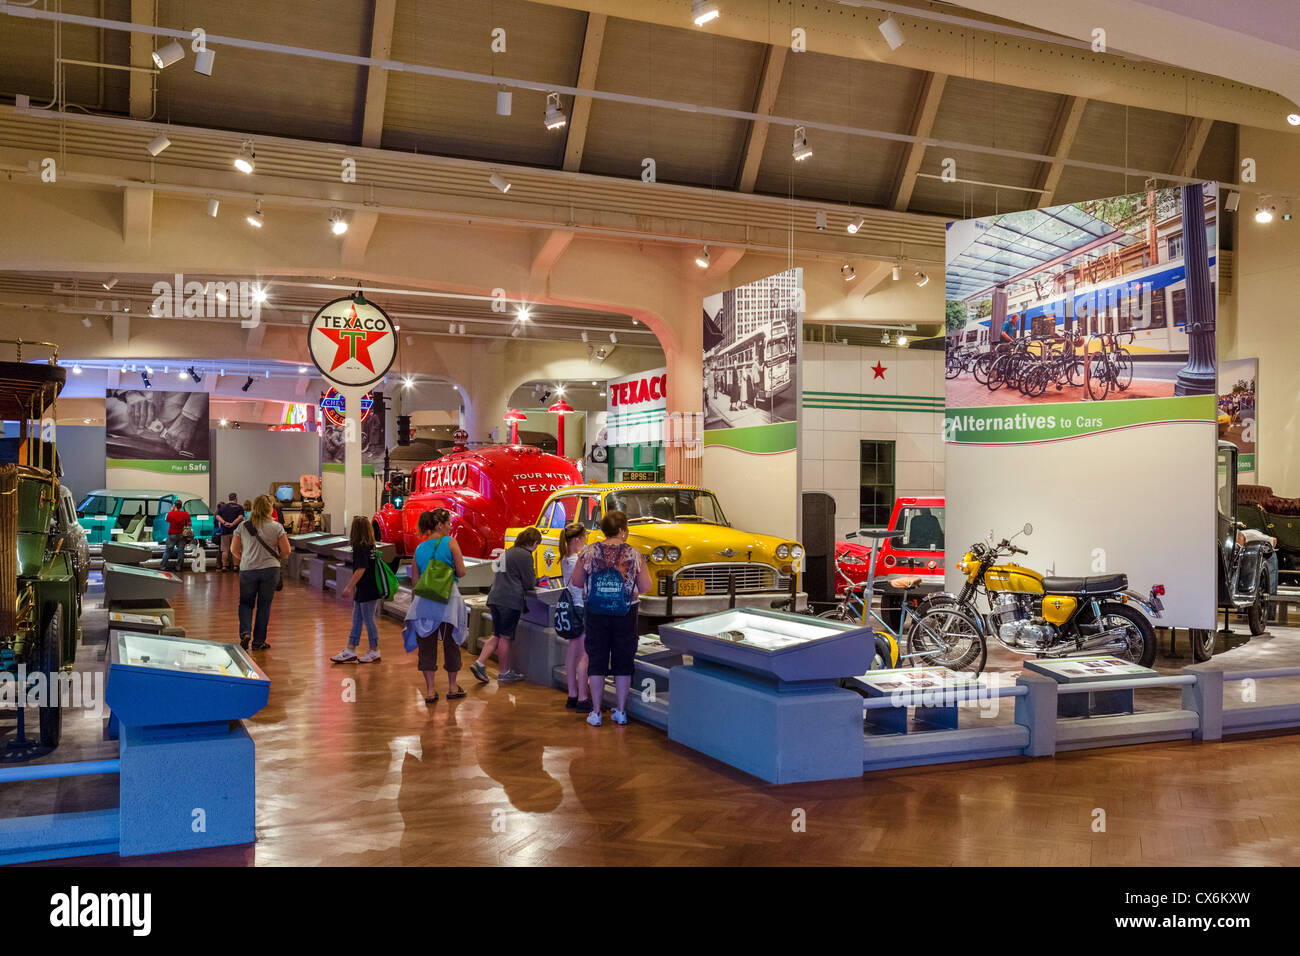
[
  {"x": 618, "y": 716},
  {"x": 345, "y": 656},
  {"x": 245, "y": 639},
  {"x": 583, "y": 706},
  {"x": 370, "y": 656},
  {"x": 510, "y": 677},
  {"x": 477, "y": 670},
  {"x": 264, "y": 646},
  {"x": 594, "y": 718}
]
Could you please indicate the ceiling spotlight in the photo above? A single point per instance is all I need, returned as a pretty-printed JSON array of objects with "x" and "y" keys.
[
  {"x": 855, "y": 225},
  {"x": 158, "y": 144},
  {"x": 555, "y": 116},
  {"x": 148, "y": 370},
  {"x": 259, "y": 294},
  {"x": 166, "y": 369},
  {"x": 1264, "y": 213},
  {"x": 504, "y": 98},
  {"x": 500, "y": 182},
  {"x": 902, "y": 340},
  {"x": 76, "y": 370},
  {"x": 584, "y": 336},
  {"x": 183, "y": 375},
  {"x": 801, "y": 148},
  {"x": 223, "y": 373},
  {"x": 409, "y": 382},
  {"x": 396, "y": 327},
  {"x": 144, "y": 377},
  {"x": 451, "y": 328},
  {"x": 126, "y": 308},
  {"x": 702, "y": 260},
  {"x": 593, "y": 381},
  {"x": 461, "y": 330},
  {"x": 514, "y": 333},
  {"x": 255, "y": 218},
  {"x": 203, "y": 61},
  {"x": 86, "y": 321},
  {"x": 884, "y": 338},
  {"x": 1232, "y": 202},
  {"x": 85, "y": 421},
  {"x": 110, "y": 283},
  {"x": 1293, "y": 119},
  {"x": 846, "y": 271},
  {"x": 921, "y": 278},
  {"x": 703, "y": 11},
  {"x": 613, "y": 338},
  {"x": 123, "y": 368},
  {"x": 821, "y": 220},
  {"x": 522, "y": 313},
  {"x": 898, "y": 272},
  {"x": 247, "y": 385},
  {"x": 222, "y": 423},
  {"x": 195, "y": 375},
  {"x": 268, "y": 374},
  {"x": 892, "y": 33},
  {"x": 168, "y": 55},
  {"x": 559, "y": 389},
  {"x": 246, "y": 161},
  {"x": 338, "y": 222},
  {"x": 213, "y": 206}
]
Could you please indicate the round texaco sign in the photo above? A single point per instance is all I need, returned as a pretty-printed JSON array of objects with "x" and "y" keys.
[{"x": 352, "y": 342}]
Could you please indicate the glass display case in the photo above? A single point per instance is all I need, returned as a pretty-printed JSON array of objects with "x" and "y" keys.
[
  {"x": 155, "y": 679},
  {"x": 326, "y": 544},
  {"x": 789, "y": 647}
]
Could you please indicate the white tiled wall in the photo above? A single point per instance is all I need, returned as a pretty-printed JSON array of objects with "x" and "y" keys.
[{"x": 829, "y": 438}]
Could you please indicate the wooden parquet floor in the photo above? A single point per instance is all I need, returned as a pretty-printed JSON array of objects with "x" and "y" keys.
[{"x": 507, "y": 776}]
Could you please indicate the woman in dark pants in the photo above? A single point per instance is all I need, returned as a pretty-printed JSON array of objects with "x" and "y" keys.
[
  {"x": 613, "y": 575},
  {"x": 260, "y": 546}
]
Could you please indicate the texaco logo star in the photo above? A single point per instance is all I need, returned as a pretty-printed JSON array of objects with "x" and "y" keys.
[{"x": 353, "y": 343}]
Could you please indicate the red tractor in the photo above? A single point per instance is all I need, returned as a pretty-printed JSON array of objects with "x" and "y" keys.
[{"x": 486, "y": 490}]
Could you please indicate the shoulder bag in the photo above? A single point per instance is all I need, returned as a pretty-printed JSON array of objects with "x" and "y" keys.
[
  {"x": 437, "y": 579},
  {"x": 279, "y": 579}
]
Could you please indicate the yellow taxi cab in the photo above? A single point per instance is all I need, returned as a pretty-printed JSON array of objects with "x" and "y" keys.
[{"x": 695, "y": 556}]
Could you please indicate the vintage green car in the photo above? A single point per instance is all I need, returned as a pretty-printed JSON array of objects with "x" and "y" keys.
[{"x": 39, "y": 580}]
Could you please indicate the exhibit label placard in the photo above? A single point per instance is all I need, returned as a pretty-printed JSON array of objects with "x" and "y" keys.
[
  {"x": 155, "y": 431},
  {"x": 352, "y": 341},
  {"x": 1081, "y": 390}
]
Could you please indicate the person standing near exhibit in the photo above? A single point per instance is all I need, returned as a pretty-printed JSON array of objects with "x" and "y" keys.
[
  {"x": 515, "y": 580},
  {"x": 365, "y": 590},
  {"x": 432, "y": 622},
  {"x": 612, "y": 575},
  {"x": 573, "y": 539},
  {"x": 260, "y": 545},
  {"x": 229, "y": 516},
  {"x": 177, "y": 520}
]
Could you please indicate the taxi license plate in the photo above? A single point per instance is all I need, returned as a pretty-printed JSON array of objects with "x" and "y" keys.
[{"x": 690, "y": 588}]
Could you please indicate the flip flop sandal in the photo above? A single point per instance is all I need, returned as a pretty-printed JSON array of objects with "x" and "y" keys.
[
  {"x": 460, "y": 692},
  {"x": 431, "y": 700}
]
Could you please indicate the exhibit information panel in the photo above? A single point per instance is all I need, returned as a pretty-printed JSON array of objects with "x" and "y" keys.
[{"x": 1081, "y": 390}]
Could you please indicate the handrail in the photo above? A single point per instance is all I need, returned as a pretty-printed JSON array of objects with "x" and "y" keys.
[
  {"x": 19, "y": 343},
  {"x": 49, "y": 771},
  {"x": 1261, "y": 674},
  {"x": 1178, "y": 680}
]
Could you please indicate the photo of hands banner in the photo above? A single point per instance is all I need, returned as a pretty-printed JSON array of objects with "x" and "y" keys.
[{"x": 152, "y": 430}]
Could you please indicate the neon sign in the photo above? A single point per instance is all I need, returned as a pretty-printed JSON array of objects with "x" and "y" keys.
[{"x": 334, "y": 408}]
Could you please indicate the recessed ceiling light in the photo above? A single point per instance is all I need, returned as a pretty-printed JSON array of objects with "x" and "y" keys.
[
  {"x": 704, "y": 11},
  {"x": 166, "y": 56},
  {"x": 855, "y": 225},
  {"x": 246, "y": 161},
  {"x": 223, "y": 423},
  {"x": 555, "y": 116}
]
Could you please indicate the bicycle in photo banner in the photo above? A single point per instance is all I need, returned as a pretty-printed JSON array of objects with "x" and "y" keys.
[{"x": 1109, "y": 366}]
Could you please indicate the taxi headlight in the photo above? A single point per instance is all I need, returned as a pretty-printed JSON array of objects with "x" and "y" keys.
[
  {"x": 796, "y": 551},
  {"x": 783, "y": 551},
  {"x": 657, "y": 554},
  {"x": 674, "y": 554}
]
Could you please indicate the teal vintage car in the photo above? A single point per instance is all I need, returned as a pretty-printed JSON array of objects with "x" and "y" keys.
[{"x": 139, "y": 515}]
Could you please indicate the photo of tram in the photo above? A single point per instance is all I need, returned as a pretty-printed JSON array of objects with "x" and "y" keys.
[
  {"x": 751, "y": 340},
  {"x": 1082, "y": 302}
]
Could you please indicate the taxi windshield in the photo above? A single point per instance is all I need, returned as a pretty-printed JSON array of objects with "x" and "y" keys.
[{"x": 666, "y": 506}]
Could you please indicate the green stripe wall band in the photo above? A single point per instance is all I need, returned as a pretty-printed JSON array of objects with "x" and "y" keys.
[
  {"x": 874, "y": 403},
  {"x": 367, "y": 471},
  {"x": 162, "y": 466},
  {"x": 757, "y": 439},
  {"x": 1022, "y": 424}
]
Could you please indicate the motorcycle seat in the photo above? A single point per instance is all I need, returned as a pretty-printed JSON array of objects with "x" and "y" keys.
[{"x": 1097, "y": 584}]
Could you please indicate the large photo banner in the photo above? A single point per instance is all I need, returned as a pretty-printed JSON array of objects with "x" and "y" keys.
[
  {"x": 1082, "y": 389},
  {"x": 751, "y": 401},
  {"x": 1237, "y": 380},
  {"x": 163, "y": 432}
]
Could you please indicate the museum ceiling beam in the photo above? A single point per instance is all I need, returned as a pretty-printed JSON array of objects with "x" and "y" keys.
[
  {"x": 927, "y": 108},
  {"x": 381, "y": 47},
  {"x": 768, "y": 86},
  {"x": 547, "y": 251},
  {"x": 1065, "y": 129},
  {"x": 1189, "y": 151},
  {"x": 137, "y": 216},
  {"x": 357, "y": 239},
  {"x": 140, "y": 89},
  {"x": 995, "y": 52},
  {"x": 121, "y": 329},
  {"x": 588, "y": 66},
  {"x": 723, "y": 262}
]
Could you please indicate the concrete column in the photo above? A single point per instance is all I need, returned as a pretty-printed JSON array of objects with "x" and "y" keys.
[{"x": 685, "y": 364}]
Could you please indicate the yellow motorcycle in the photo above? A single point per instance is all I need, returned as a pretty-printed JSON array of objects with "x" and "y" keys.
[{"x": 1031, "y": 614}]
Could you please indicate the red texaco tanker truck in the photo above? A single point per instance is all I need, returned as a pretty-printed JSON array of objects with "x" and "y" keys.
[{"x": 486, "y": 490}]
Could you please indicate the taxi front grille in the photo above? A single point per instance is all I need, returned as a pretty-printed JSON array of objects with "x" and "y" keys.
[{"x": 749, "y": 577}]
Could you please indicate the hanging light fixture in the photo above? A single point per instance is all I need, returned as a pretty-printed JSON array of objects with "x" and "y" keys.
[
  {"x": 246, "y": 161},
  {"x": 801, "y": 148},
  {"x": 855, "y": 225},
  {"x": 704, "y": 11},
  {"x": 555, "y": 115},
  {"x": 255, "y": 218},
  {"x": 166, "y": 56},
  {"x": 702, "y": 260},
  {"x": 338, "y": 222}
]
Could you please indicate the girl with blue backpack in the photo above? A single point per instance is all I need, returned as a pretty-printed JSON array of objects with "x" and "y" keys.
[
  {"x": 612, "y": 575},
  {"x": 572, "y": 542}
]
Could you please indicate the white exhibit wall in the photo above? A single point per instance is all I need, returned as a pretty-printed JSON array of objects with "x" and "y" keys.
[
  {"x": 904, "y": 405},
  {"x": 1137, "y": 501},
  {"x": 755, "y": 490}
]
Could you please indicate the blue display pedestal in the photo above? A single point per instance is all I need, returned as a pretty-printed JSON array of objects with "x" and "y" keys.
[{"x": 780, "y": 733}]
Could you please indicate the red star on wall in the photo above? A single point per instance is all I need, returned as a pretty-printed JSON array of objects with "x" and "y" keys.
[{"x": 879, "y": 369}]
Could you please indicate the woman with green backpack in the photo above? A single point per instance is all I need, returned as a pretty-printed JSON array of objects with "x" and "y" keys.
[{"x": 437, "y": 614}]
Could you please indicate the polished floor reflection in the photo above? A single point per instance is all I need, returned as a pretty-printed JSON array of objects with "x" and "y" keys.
[{"x": 354, "y": 769}]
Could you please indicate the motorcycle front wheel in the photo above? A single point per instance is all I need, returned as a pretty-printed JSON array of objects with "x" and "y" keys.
[{"x": 947, "y": 636}]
